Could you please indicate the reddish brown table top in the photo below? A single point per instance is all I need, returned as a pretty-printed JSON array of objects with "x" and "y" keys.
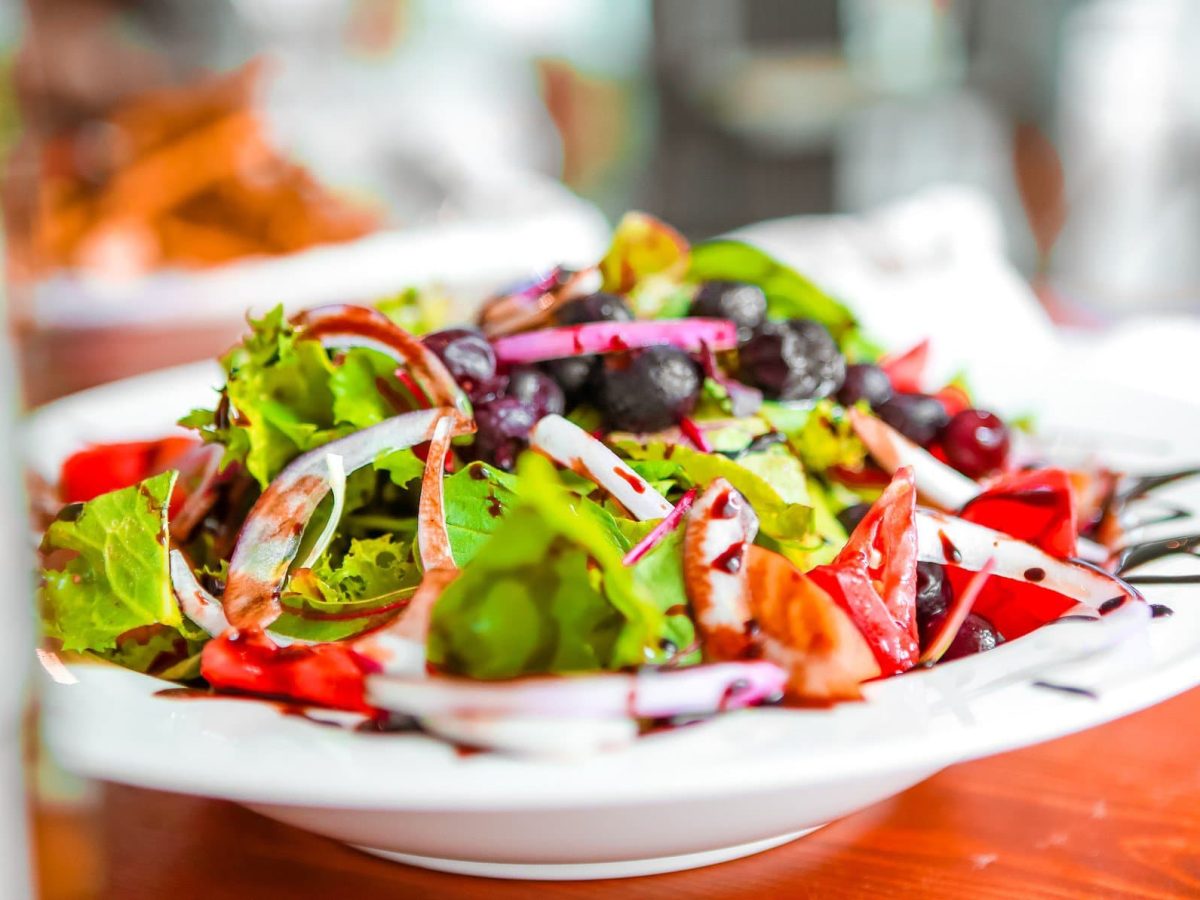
[{"x": 1112, "y": 812}]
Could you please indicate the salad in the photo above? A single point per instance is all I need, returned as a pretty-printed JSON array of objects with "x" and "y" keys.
[{"x": 677, "y": 483}]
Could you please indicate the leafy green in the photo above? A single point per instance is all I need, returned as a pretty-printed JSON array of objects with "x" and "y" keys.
[
  {"x": 778, "y": 516},
  {"x": 417, "y": 311},
  {"x": 158, "y": 650},
  {"x": 402, "y": 466},
  {"x": 660, "y": 574},
  {"x": 106, "y": 572},
  {"x": 477, "y": 499},
  {"x": 789, "y": 294},
  {"x": 339, "y": 598},
  {"x": 285, "y": 395},
  {"x": 547, "y": 592},
  {"x": 820, "y": 433}
]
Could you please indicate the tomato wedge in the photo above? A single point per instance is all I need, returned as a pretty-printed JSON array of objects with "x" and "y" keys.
[
  {"x": 906, "y": 370},
  {"x": 109, "y": 467},
  {"x": 1014, "y": 608},
  {"x": 874, "y": 577},
  {"x": 329, "y": 675},
  {"x": 1037, "y": 506}
]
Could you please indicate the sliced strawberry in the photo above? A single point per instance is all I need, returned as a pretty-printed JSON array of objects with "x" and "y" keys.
[
  {"x": 1013, "y": 607},
  {"x": 109, "y": 467}
]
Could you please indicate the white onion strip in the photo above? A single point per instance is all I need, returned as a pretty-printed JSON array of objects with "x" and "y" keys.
[
  {"x": 573, "y": 448},
  {"x": 337, "y": 490}
]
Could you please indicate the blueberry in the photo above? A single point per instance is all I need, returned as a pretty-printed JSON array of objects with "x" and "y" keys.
[
  {"x": 933, "y": 598},
  {"x": 468, "y": 357},
  {"x": 743, "y": 304},
  {"x": 648, "y": 390},
  {"x": 573, "y": 374},
  {"x": 536, "y": 389},
  {"x": 865, "y": 382},
  {"x": 918, "y": 417},
  {"x": 598, "y": 307},
  {"x": 793, "y": 360},
  {"x": 976, "y": 442},
  {"x": 976, "y": 635},
  {"x": 852, "y": 515},
  {"x": 502, "y": 429}
]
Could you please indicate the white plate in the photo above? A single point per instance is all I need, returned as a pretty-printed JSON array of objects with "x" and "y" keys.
[{"x": 702, "y": 794}]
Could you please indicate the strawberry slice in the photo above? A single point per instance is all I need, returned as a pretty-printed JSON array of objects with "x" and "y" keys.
[
  {"x": 1036, "y": 506},
  {"x": 906, "y": 370}
]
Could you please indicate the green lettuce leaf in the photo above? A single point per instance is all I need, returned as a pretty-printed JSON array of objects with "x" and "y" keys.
[
  {"x": 286, "y": 396},
  {"x": 361, "y": 590},
  {"x": 547, "y": 592},
  {"x": 789, "y": 294},
  {"x": 820, "y": 433},
  {"x": 778, "y": 516},
  {"x": 417, "y": 311},
  {"x": 477, "y": 499},
  {"x": 107, "y": 571}
]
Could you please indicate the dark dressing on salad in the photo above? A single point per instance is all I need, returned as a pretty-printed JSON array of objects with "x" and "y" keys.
[
  {"x": 730, "y": 559},
  {"x": 949, "y": 551},
  {"x": 1067, "y": 689}
]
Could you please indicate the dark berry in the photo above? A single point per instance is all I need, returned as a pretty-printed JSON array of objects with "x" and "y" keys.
[
  {"x": 933, "y": 598},
  {"x": 502, "y": 430},
  {"x": 976, "y": 442},
  {"x": 793, "y": 360},
  {"x": 598, "y": 307},
  {"x": 743, "y": 304},
  {"x": 975, "y": 636},
  {"x": 865, "y": 382},
  {"x": 536, "y": 389},
  {"x": 648, "y": 390},
  {"x": 469, "y": 358},
  {"x": 573, "y": 374},
  {"x": 852, "y": 515},
  {"x": 918, "y": 417}
]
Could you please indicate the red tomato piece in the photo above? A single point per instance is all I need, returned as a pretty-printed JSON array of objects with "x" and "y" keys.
[
  {"x": 906, "y": 370},
  {"x": 874, "y": 577},
  {"x": 330, "y": 675},
  {"x": 109, "y": 467},
  {"x": 1036, "y": 506}
]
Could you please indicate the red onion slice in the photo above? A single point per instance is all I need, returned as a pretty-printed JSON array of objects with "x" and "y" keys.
[
  {"x": 948, "y": 540},
  {"x": 337, "y": 489},
  {"x": 936, "y": 482},
  {"x": 203, "y": 495},
  {"x": 270, "y": 536},
  {"x": 648, "y": 694},
  {"x": 344, "y": 325},
  {"x": 573, "y": 448},
  {"x": 661, "y": 530},
  {"x": 399, "y": 649},
  {"x": 203, "y": 608},
  {"x": 720, "y": 526},
  {"x": 613, "y": 337},
  {"x": 960, "y": 608}
]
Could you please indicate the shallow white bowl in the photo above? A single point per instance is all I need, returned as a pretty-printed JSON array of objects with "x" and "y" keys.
[{"x": 698, "y": 795}]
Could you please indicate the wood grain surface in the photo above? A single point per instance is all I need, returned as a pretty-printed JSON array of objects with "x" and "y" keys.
[{"x": 1112, "y": 812}]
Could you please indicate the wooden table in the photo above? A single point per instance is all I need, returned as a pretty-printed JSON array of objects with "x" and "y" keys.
[{"x": 1112, "y": 812}]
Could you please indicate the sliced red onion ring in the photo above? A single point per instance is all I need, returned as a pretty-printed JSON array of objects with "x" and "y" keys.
[
  {"x": 203, "y": 495},
  {"x": 661, "y": 530},
  {"x": 613, "y": 337},
  {"x": 647, "y": 694},
  {"x": 720, "y": 527},
  {"x": 337, "y": 489},
  {"x": 559, "y": 737},
  {"x": 573, "y": 448},
  {"x": 399, "y": 649},
  {"x": 270, "y": 536},
  {"x": 433, "y": 541},
  {"x": 948, "y": 540},
  {"x": 936, "y": 482},
  {"x": 534, "y": 306},
  {"x": 203, "y": 608},
  {"x": 343, "y": 325}
]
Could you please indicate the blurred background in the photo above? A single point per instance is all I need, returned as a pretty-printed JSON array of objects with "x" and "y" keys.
[{"x": 167, "y": 164}]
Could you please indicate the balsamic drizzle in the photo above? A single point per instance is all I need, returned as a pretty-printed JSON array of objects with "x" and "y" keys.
[
  {"x": 1066, "y": 689},
  {"x": 1147, "y": 483},
  {"x": 1137, "y": 555}
]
